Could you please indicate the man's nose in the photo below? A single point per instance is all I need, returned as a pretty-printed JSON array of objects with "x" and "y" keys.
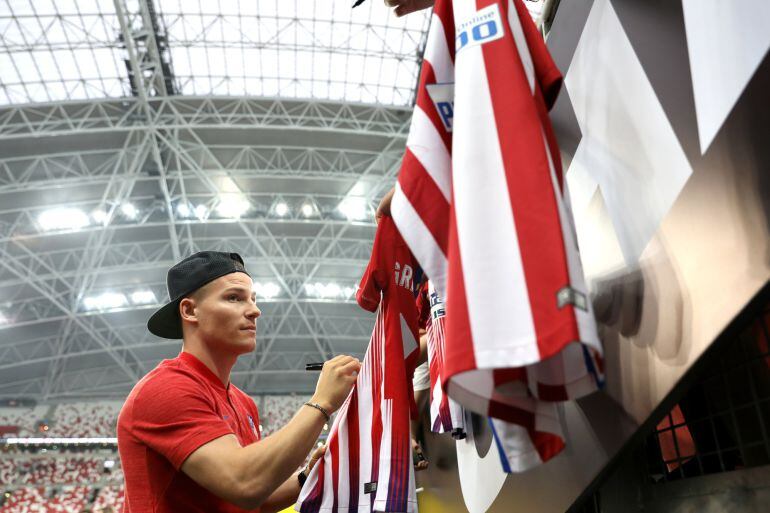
[{"x": 254, "y": 312}]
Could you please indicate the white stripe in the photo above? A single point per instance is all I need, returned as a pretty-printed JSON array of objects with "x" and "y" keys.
[
  {"x": 437, "y": 52},
  {"x": 328, "y": 485},
  {"x": 457, "y": 415},
  {"x": 383, "y": 478},
  {"x": 426, "y": 144},
  {"x": 517, "y": 447},
  {"x": 343, "y": 482},
  {"x": 492, "y": 268},
  {"x": 364, "y": 384},
  {"x": 419, "y": 239},
  {"x": 521, "y": 45},
  {"x": 585, "y": 319},
  {"x": 408, "y": 342}
]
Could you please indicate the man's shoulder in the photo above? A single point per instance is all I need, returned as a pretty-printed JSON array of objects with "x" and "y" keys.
[
  {"x": 240, "y": 393},
  {"x": 168, "y": 374}
]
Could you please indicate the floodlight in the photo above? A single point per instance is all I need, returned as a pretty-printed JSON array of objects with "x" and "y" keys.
[
  {"x": 105, "y": 301},
  {"x": 355, "y": 209},
  {"x": 143, "y": 297},
  {"x": 183, "y": 209},
  {"x": 129, "y": 210},
  {"x": 233, "y": 206},
  {"x": 282, "y": 209},
  {"x": 201, "y": 211},
  {"x": 100, "y": 216},
  {"x": 65, "y": 218}
]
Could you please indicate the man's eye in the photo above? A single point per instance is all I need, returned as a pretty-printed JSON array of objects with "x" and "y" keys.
[{"x": 233, "y": 297}]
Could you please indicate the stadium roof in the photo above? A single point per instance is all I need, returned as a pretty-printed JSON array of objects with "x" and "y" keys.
[{"x": 135, "y": 132}]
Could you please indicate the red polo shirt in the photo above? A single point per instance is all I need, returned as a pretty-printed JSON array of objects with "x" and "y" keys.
[{"x": 176, "y": 408}]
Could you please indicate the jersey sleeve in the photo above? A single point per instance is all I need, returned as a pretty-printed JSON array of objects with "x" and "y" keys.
[
  {"x": 374, "y": 280},
  {"x": 175, "y": 424},
  {"x": 548, "y": 76}
]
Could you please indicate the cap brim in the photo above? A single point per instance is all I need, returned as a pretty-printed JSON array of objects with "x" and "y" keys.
[{"x": 165, "y": 323}]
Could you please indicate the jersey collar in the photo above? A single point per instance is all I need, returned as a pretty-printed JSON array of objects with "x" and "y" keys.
[{"x": 204, "y": 372}]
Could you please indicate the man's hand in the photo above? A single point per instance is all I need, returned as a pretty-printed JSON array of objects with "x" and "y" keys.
[
  {"x": 337, "y": 378},
  {"x": 318, "y": 453},
  {"x": 408, "y": 6},
  {"x": 384, "y": 207},
  {"x": 420, "y": 463}
]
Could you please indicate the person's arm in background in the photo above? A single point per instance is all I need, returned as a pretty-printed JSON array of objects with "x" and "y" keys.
[
  {"x": 421, "y": 384},
  {"x": 249, "y": 476},
  {"x": 404, "y": 7}
]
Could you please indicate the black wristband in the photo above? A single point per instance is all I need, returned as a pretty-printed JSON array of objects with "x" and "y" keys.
[
  {"x": 321, "y": 409},
  {"x": 302, "y": 477}
]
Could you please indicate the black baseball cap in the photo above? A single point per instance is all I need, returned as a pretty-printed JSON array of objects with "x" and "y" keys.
[{"x": 185, "y": 278}]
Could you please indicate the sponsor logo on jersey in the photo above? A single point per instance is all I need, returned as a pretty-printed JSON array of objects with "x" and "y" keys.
[
  {"x": 483, "y": 27},
  {"x": 443, "y": 97},
  {"x": 436, "y": 306}
]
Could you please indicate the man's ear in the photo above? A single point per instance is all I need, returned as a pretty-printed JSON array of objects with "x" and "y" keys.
[{"x": 187, "y": 310}]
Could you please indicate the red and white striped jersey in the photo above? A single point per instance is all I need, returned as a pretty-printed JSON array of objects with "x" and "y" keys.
[
  {"x": 479, "y": 200},
  {"x": 368, "y": 462},
  {"x": 446, "y": 415}
]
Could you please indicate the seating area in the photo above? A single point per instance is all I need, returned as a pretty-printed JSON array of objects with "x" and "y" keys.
[
  {"x": 21, "y": 421},
  {"x": 77, "y": 483},
  {"x": 85, "y": 419},
  {"x": 66, "y": 499},
  {"x": 276, "y": 410},
  {"x": 40, "y": 471},
  {"x": 28, "y": 500}
]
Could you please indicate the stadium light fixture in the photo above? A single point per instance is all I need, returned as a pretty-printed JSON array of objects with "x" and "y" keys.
[
  {"x": 129, "y": 210},
  {"x": 183, "y": 210},
  {"x": 64, "y": 218},
  {"x": 100, "y": 216},
  {"x": 143, "y": 297},
  {"x": 355, "y": 209},
  {"x": 201, "y": 212},
  {"x": 232, "y": 206},
  {"x": 267, "y": 290},
  {"x": 3, "y": 319},
  {"x": 105, "y": 301},
  {"x": 329, "y": 290},
  {"x": 281, "y": 209},
  {"x": 307, "y": 210}
]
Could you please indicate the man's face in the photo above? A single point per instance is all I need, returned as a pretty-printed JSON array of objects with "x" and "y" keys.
[{"x": 227, "y": 313}]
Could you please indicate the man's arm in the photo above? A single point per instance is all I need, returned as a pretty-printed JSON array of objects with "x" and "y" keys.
[
  {"x": 403, "y": 7},
  {"x": 248, "y": 476},
  {"x": 287, "y": 493}
]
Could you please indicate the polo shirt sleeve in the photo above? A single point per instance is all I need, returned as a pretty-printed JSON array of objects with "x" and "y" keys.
[{"x": 172, "y": 417}]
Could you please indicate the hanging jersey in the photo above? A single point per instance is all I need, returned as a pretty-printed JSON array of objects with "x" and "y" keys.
[
  {"x": 479, "y": 200},
  {"x": 446, "y": 415},
  {"x": 536, "y": 439},
  {"x": 368, "y": 462}
]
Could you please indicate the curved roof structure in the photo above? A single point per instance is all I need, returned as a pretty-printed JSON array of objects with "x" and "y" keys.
[{"x": 135, "y": 132}]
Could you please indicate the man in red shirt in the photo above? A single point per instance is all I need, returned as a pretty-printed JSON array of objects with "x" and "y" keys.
[{"x": 188, "y": 438}]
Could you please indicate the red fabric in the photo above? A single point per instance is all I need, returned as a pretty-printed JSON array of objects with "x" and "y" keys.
[
  {"x": 369, "y": 441},
  {"x": 175, "y": 409},
  {"x": 423, "y": 306},
  {"x": 392, "y": 260}
]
